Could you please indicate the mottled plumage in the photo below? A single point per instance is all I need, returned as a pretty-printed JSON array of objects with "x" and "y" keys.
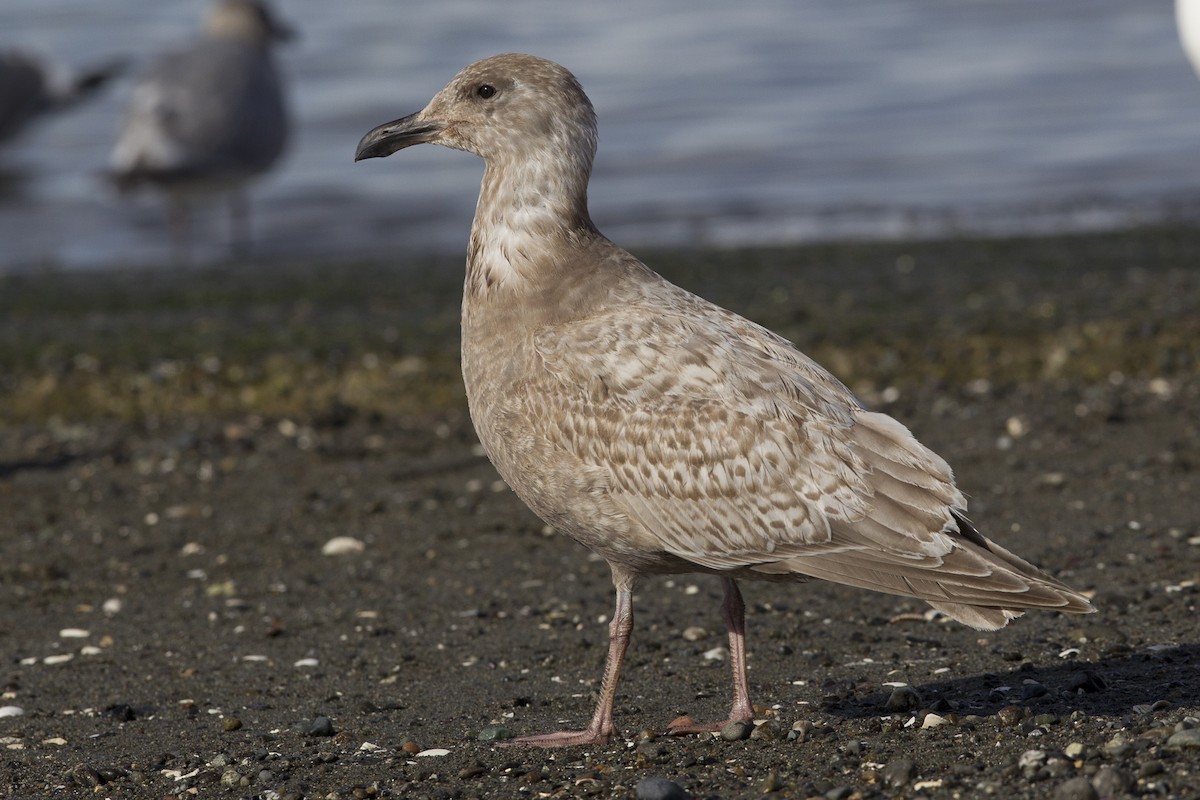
[
  {"x": 208, "y": 117},
  {"x": 666, "y": 433}
]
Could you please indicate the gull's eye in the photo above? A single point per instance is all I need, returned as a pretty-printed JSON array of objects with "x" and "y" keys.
[{"x": 486, "y": 91}]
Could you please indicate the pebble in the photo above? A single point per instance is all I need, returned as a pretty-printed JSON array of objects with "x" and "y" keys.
[
  {"x": 1076, "y": 789},
  {"x": 1186, "y": 739},
  {"x": 231, "y": 723},
  {"x": 1112, "y": 782},
  {"x": 660, "y": 789},
  {"x": 1031, "y": 761},
  {"x": 494, "y": 733},
  {"x": 11, "y": 711},
  {"x": 1010, "y": 715},
  {"x": 694, "y": 634},
  {"x": 342, "y": 545},
  {"x": 934, "y": 721},
  {"x": 899, "y": 772},
  {"x": 433, "y": 752},
  {"x": 768, "y": 731},
  {"x": 903, "y": 698},
  {"x": 1085, "y": 681},
  {"x": 321, "y": 726},
  {"x": 736, "y": 731},
  {"x": 74, "y": 633}
]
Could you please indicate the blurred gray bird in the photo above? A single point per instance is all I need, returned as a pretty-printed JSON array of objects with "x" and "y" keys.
[
  {"x": 666, "y": 433},
  {"x": 32, "y": 87},
  {"x": 208, "y": 118}
]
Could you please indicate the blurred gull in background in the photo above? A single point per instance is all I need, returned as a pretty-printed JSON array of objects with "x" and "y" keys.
[
  {"x": 1187, "y": 17},
  {"x": 207, "y": 118},
  {"x": 31, "y": 87}
]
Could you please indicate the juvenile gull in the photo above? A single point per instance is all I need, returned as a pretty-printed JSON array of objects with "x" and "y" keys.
[
  {"x": 31, "y": 87},
  {"x": 208, "y": 117},
  {"x": 665, "y": 433}
]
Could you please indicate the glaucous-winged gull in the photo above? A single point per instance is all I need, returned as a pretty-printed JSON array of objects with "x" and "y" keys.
[
  {"x": 208, "y": 117},
  {"x": 665, "y": 433}
]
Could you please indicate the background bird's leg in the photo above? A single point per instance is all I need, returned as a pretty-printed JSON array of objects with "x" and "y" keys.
[
  {"x": 733, "y": 612},
  {"x": 601, "y": 728},
  {"x": 180, "y": 225},
  {"x": 239, "y": 222}
]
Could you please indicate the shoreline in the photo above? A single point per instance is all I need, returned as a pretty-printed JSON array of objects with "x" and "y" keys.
[{"x": 179, "y": 453}]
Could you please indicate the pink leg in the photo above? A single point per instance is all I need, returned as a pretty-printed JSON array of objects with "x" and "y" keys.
[
  {"x": 733, "y": 612},
  {"x": 601, "y": 728}
]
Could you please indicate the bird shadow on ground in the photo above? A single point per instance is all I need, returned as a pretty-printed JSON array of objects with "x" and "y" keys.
[{"x": 1128, "y": 683}]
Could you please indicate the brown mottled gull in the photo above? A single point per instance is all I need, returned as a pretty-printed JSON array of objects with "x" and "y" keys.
[
  {"x": 666, "y": 433},
  {"x": 208, "y": 117}
]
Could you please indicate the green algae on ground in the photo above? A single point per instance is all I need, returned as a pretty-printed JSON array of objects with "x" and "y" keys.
[{"x": 300, "y": 339}]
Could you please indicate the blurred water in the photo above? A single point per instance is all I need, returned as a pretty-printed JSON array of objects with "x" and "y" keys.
[{"x": 774, "y": 120}]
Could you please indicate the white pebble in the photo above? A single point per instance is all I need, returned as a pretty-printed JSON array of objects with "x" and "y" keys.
[
  {"x": 11, "y": 711},
  {"x": 90, "y": 650},
  {"x": 59, "y": 659},
  {"x": 112, "y": 605},
  {"x": 934, "y": 720},
  {"x": 74, "y": 633},
  {"x": 436, "y": 751},
  {"x": 716, "y": 654},
  {"x": 342, "y": 545},
  {"x": 307, "y": 662}
]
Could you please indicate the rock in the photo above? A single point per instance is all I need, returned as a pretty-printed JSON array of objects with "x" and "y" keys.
[
  {"x": 736, "y": 731},
  {"x": 694, "y": 634},
  {"x": 772, "y": 783},
  {"x": 1086, "y": 681},
  {"x": 899, "y": 772},
  {"x": 1112, "y": 782},
  {"x": 801, "y": 730},
  {"x": 768, "y": 731},
  {"x": 934, "y": 721},
  {"x": 494, "y": 733},
  {"x": 660, "y": 789},
  {"x": 839, "y": 793},
  {"x": 83, "y": 775},
  {"x": 903, "y": 698},
  {"x": 1076, "y": 789},
  {"x": 231, "y": 723},
  {"x": 342, "y": 545},
  {"x": 1010, "y": 716},
  {"x": 1187, "y": 739},
  {"x": 321, "y": 726},
  {"x": 1031, "y": 761},
  {"x": 1074, "y": 750},
  {"x": 230, "y": 777},
  {"x": 1031, "y": 689},
  {"x": 11, "y": 711}
]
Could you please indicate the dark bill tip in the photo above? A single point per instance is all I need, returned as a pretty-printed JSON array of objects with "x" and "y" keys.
[{"x": 396, "y": 135}]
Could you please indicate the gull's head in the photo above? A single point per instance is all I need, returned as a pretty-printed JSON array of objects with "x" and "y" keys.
[
  {"x": 246, "y": 19},
  {"x": 504, "y": 108}
]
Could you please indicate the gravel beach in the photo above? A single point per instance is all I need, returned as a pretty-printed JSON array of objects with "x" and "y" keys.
[{"x": 249, "y": 546}]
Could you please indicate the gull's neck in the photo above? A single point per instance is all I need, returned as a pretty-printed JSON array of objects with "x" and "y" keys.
[{"x": 529, "y": 209}]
